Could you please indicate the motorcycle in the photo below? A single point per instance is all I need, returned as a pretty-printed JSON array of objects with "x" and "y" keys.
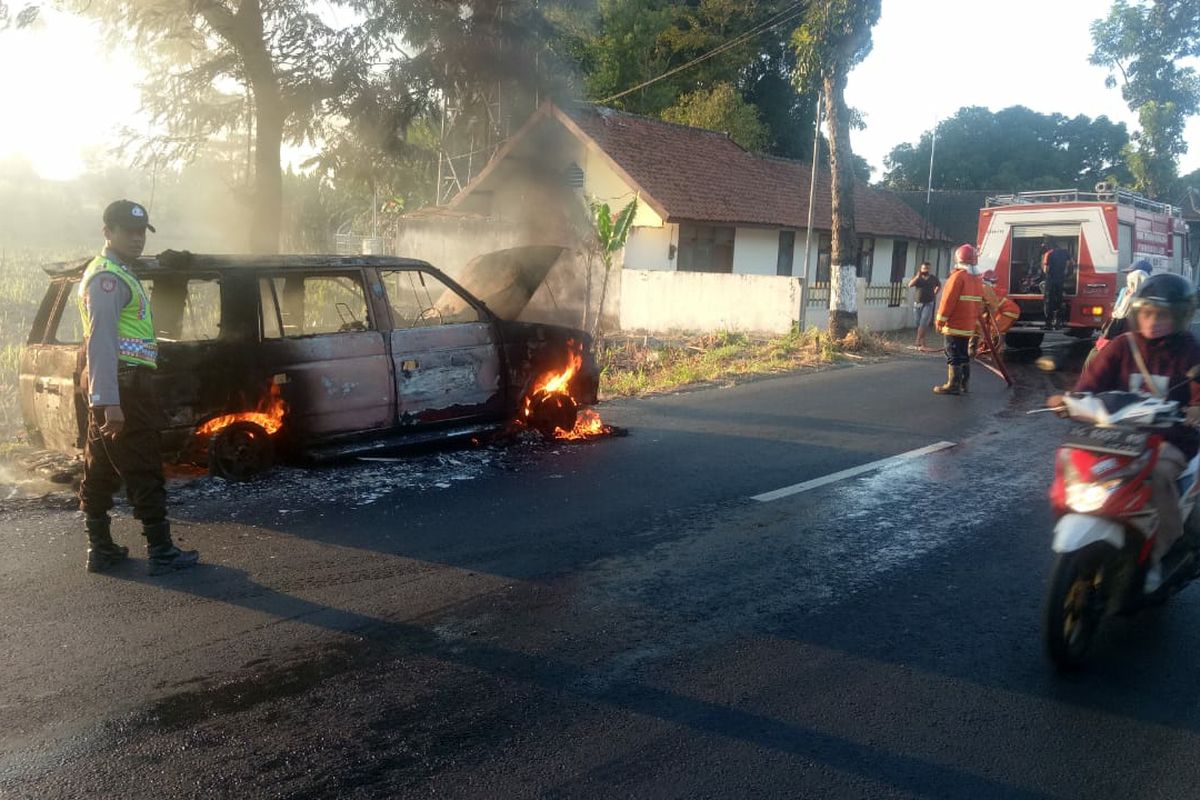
[{"x": 1104, "y": 533}]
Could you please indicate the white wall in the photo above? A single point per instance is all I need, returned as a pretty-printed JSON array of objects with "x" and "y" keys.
[
  {"x": 601, "y": 182},
  {"x": 700, "y": 302},
  {"x": 755, "y": 251},
  {"x": 650, "y": 248}
]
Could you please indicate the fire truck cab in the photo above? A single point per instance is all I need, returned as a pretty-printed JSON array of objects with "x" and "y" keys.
[{"x": 1104, "y": 231}]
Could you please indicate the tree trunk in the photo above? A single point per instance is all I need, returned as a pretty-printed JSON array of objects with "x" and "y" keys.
[
  {"x": 243, "y": 30},
  {"x": 843, "y": 279},
  {"x": 267, "y": 214}
]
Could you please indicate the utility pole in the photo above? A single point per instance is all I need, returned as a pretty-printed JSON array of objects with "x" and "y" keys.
[
  {"x": 812, "y": 189},
  {"x": 928, "y": 194}
]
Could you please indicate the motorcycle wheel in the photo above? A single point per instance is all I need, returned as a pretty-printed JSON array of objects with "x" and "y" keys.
[{"x": 1074, "y": 605}]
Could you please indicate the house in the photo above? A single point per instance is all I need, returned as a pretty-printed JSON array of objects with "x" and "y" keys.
[{"x": 718, "y": 242}]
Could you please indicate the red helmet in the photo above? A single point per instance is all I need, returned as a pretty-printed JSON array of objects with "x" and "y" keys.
[
  {"x": 989, "y": 276},
  {"x": 966, "y": 254}
]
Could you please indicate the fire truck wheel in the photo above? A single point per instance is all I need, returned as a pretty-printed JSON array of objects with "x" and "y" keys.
[
  {"x": 1023, "y": 340},
  {"x": 240, "y": 451}
]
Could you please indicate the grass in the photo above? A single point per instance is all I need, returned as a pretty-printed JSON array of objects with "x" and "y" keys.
[{"x": 632, "y": 368}]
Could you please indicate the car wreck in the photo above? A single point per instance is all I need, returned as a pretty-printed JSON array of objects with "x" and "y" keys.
[{"x": 315, "y": 357}]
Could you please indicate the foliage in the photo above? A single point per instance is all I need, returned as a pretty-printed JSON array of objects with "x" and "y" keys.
[
  {"x": 22, "y": 18},
  {"x": 633, "y": 368},
  {"x": 629, "y": 42},
  {"x": 611, "y": 232},
  {"x": 1016, "y": 149},
  {"x": 834, "y": 36},
  {"x": 720, "y": 109},
  {"x": 1145, "y": 43}
]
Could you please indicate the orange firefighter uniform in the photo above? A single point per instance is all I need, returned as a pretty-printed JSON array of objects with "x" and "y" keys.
[
  {"x": 960, "y": 304},
  {"x": 1003, "y": 310}
]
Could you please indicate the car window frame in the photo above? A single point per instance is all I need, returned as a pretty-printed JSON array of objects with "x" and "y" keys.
[
  {"x": 304, "y": 273},
  {"x": 485, "y": 313}
]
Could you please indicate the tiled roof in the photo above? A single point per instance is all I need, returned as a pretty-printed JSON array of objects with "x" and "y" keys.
[{"x": 700, "y": 175}]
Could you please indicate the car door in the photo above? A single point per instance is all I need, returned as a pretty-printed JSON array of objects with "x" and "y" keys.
[
  {"x": 321, "y": 340},
  {"x": 51, "y": 401},
  {"x": 444, "y": 350}
]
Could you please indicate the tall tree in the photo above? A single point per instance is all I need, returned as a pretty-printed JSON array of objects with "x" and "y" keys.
[
  {"x": 1144, "y": 43},
  {"x": 630, "y": 42},
  {"x": 834, "y": 36},
  {"x": 1014, "y": 149}
]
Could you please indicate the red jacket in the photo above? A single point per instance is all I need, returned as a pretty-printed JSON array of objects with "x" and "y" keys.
[{"x": 961, "y": 302}]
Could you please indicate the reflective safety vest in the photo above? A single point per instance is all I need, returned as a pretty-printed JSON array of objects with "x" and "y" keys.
[
  {"x": 136, "y": 343},
  {"x": 960, "y": 304}
]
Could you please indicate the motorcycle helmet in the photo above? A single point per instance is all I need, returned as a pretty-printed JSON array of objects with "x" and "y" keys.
[
  {"x": 989, "y": 277},
  {"x": 966, "y": 254},
  {"x": 1170, "y": 291},
  {"x": 1141, "y": 265}
]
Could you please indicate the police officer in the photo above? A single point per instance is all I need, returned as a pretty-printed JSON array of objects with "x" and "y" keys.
[{"x": 123, "y": 439}]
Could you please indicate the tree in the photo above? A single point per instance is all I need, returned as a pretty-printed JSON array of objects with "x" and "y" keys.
[
  {"x": 1015, "y": 149},
  {"x": 1145, "y": 43},
  {"x": 630, "y": 42},
  {"x": 834, "y": 36},
  {"x": 609, "y": 231},
  {"x": 720, "y": 109}
]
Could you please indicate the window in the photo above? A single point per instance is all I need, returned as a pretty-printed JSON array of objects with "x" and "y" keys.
[
  {"x": 705, "y": 248},
  {"x": 70, "y": 324},
  {"x": 312, "y": 305},
  {"x": 201, "y": 311},
  {"x": 824, "y": 257},
  {"x": 787, "y": 248},
  {"x": 864, "y": 262},
  {"x": 419, "y": 299}
]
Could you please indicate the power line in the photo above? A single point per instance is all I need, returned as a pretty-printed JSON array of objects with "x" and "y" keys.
[{"x": 786, "y": 15}]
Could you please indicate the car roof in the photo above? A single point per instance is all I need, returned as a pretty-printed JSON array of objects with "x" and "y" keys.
[{"x": 175, "y": 260}]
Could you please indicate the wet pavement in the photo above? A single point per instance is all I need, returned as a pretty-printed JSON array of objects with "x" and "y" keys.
[{"x": 609, "y": 619}]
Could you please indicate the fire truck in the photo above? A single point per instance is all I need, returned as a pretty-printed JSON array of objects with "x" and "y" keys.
[{"x": 1104, "y": 231}]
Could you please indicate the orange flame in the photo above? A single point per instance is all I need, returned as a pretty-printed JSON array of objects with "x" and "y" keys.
[
  {"x": 587, "y": 421},
  {"x": 268, "y": 416}
]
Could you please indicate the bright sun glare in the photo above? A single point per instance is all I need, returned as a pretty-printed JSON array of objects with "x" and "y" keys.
[{"x": 65, "y": 97}]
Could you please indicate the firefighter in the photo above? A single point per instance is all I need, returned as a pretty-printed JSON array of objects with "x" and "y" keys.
[
  {"x": 957, "y": 318},
  {"x": 1003, "y": 310},
  {"x": 123, "y": 439}
]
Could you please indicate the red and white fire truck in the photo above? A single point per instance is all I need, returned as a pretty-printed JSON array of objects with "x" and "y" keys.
[{"x": 1105, "y": 231}]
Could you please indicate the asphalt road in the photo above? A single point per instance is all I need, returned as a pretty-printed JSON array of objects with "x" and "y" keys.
[{"x": 611, "y": 619}]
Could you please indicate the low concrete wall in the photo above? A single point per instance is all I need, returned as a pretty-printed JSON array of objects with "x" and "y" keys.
[
  {"x": 699, "y": 302},
  {"x": 874, "y": 316}
]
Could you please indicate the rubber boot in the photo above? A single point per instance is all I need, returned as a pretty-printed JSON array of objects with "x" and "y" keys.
[
  {"x": 953, "y": 384},
  {"x": 103, "y": 553},
  {"x": 965, "y": 377},
  {"x": 162, "y": 553}
]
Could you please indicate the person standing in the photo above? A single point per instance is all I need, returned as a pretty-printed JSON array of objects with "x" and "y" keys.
[
  {"x": 957, "y": 317},
  {"x": 927, "y": 285},
  {"x": 123, "y": 438},
  {"x": 1055, "y": 265}
]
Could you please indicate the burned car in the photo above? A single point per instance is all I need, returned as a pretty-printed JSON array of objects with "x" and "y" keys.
[{"x": 315, "y": 356}]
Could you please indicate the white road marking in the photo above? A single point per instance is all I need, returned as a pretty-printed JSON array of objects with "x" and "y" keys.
[{"x": 815, "y": 483}]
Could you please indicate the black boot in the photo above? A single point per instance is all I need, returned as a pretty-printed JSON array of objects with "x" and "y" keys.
[
  {"x": 953, "y": 384},
  {"x": 964, "y": 377},
  {"x": 103, "y": 553},
  {"x": 162, "y": 553}
]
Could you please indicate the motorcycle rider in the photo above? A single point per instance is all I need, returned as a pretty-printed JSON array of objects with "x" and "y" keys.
[
  {"x": 1154, "y": 357},
  {"x": 957, "y": 315}
]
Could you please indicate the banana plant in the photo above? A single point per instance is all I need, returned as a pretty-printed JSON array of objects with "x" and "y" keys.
[{"x": 612, "y": 231}]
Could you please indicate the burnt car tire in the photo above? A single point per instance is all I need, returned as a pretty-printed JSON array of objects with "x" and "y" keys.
[
  {"x": 240, "y": 451},
  {"x": 548, "y": 412}
]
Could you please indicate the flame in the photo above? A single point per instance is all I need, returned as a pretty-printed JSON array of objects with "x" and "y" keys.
[
  {"x": 587, "y": 421},
  {"x": 268, "y": 416}
]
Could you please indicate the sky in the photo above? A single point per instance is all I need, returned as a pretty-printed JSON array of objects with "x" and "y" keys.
[
  {"x": 65, "y": 99},
  {"x": 932, "y": 57}
]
